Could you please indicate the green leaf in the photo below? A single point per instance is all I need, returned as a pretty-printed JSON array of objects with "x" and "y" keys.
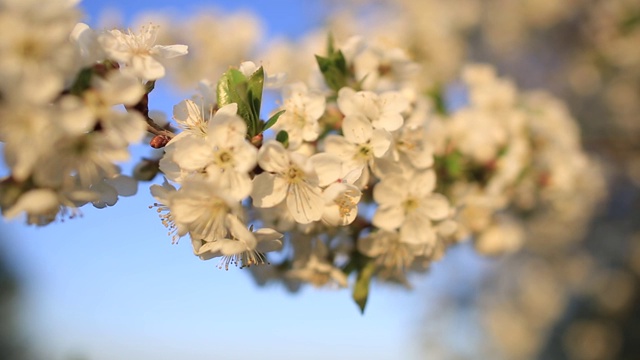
[
  {"x": 454, "y": 164},
  {"x": 334, "y": 69},
  {"x": 361, "y": 287},
  {"x": 437, "y": 95},
  {"x": 272, "y": 120},
  {"x": 330, "y": 46},
  {"x": 283, "y": 138},
  {"x": 149, "y": 86},
  {"x": 256, "y": 86},
  {"x": 630, "y": 23},
  {"x": 227, "y": 87},
  {"x": 235, "y": 87},
  {"x": 82, "y": 82}
]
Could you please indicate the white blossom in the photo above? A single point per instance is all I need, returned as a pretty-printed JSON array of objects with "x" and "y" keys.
[
  {"x": 288, "y": 177},
  {"x": 302, "y": 108},
  {"x": 410, "y": 206},
  {"x": 223, "y": 154},
  {"x": 242, "y": 248},
  {"x": 384, "y": 111},
  {"x": 139, "y": 52}
]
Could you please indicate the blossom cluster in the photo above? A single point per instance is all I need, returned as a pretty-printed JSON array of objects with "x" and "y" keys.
[{"x": 365, "y": 167}]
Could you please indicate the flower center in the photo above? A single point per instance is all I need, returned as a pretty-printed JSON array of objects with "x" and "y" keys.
[
  {"x": 294, "y": 175},
  {"x": 223, "y": 158},
  {"x": 410, "y": 204},
  {"x": 364, "y": 152}
]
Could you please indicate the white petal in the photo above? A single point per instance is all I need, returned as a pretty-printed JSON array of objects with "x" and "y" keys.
[
  {"x": 436, "y": 206},
  {"x": 333, "y": 191},
  {"x": 229, "y": 109},
  {"x": 208, "y": 250},
  {"x": 226, "y": 130},
  {"x": 34, "y": 202},
  {"x": 268, "y": 190},
  {"x": 125, "y": 185},
  {"x": 393, "y": 101},
  {"x": 414, "y": 231},
  {"x": 108, "y": 195},
  {"x": 269, "y": 245},
  {"x": 327, "y": 166},
  {"x": 120, "y": 88},
  {"x": 356, "y": 128},
  {"x": 240, "y": 233},
  {"x": 380, "y": 142},
  {"x": 305, "y": 202},
  {"x": 147, "y": 67},
  {"x": 388, "y": 217},
  {"x": 247, "y": 68},
  {"x": 391, "y": 191},
  {"x": 193, "y": 154},
  {"x": 187, "y": 112},
  {"x": 388, "y": 121},
  {"x": 273, "y": 157},
  {"x": 171, "y": 51},
  {"x": 345, "y": 101},
  {"x": 237, "y": 184},
  {"x": 338, "y": 145},
  {"x": 245, "y": 157},
  {"x": 423, "y": 183}
]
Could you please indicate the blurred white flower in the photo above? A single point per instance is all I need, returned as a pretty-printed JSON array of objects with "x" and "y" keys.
[
  {"x": 139, "y": 52},
  {"x": 410, "y": 205},
  {"x": 384, "y": 111}
]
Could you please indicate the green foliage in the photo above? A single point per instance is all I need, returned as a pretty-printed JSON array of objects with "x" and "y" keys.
[
  {"x": 449, "y": 168},
  {"x": 437, "y": 96},
  {"x": 149, "y": 86},
  {"x": 272, "y": 120},
  {"x": 334, "y": 68},
  {"x": 82, "y": 82},
  {"x": 235, "y": 87},
  {"x": 363, "y": 280},
  {"x": 283, "y": 138}
]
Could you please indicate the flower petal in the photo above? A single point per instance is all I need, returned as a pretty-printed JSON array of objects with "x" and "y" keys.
[
  {"x": 305, "y": 202},
  {"x": 388, "y": 217},
  {"x": 268, "y": 190},
  {"x": 356, "y": 128},
  {"x": 273, "y": 157},
  {"x": 171, "y": 51},
  {"x": 327, "y": 166},
  {"x": 436, "y": 206}
]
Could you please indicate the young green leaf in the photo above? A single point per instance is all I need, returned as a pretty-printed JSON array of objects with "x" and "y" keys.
[
  {"x": 272, "y": 120},
  {"x": 235, "y": 87},
  {"x": 82, "y": 82},
  {"x": 283, "y": 138},
  {"x": 334, "y": 69},
  {"x": 361, "y": 287}
]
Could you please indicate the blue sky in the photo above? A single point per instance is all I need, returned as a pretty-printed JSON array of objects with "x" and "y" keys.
[{"x": 111, "y": 286}]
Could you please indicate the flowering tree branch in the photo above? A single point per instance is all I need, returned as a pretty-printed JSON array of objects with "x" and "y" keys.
[{"x": 367, "y": 174}]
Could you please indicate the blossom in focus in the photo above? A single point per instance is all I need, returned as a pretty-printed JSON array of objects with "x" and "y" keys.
[
  {"x": 302, "y": 108},
  {"x": 199, "y": 209},
  {"x": 223, "y": 154},
  {"x": 288, "y": 177},
  {"x": 242, "y": 247}
]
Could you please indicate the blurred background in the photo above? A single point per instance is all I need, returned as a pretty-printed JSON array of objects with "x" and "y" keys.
[{"x": 110, "y": 285}]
